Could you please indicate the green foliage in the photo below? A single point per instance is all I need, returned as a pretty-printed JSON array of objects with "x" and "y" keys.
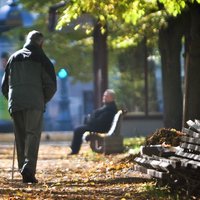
[
  {"x": 109, "y": 11},
  {"x": 38, "y": 6},
  {"x": 134, "y": 12},
  {"x": 128, "y": 80},
  {"x": 134, "y": 142},
  {"x": 155, "y": 192},
  {"x": 75, "y": 56},
  {"x": 174, "y": 7},
  {"x": 131, "y": 98},
  {"x": 129, "y": 21}
]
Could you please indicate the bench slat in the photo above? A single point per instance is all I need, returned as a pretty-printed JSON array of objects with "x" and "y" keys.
[
  {"x": 151, "y": 172},
  {"x": 188, "y": 155},
  {"x": 154, "y": 164},
  {"x": 190, "y": 146},
  {"x": 175, "y": 163},
  {"x": 191, "y": 133},
  {"x": 140, "y": 168},
  {"x": 193, "y": 126},
  {"x": 190, "y": 140},
  {"x": 157, "y": 174}
]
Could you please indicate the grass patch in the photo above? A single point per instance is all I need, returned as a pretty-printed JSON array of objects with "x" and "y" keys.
[
  {"x": 155, "y": 192},
  {"x": 134, "y": 143}
]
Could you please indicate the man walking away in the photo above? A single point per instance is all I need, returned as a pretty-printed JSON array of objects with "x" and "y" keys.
[{"x": 29, "y": 82}]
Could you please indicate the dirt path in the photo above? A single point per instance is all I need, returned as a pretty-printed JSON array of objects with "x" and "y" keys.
[{"x": 86, "y": 176}]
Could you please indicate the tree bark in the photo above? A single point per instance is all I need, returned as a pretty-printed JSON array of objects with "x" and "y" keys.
[
  {"x": 170, "y": 48},
  {"x": 192, "y": 91},
  {"x": 100, "y": 65}
]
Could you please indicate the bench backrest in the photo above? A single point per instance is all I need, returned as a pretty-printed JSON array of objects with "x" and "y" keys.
[
  {"x": 104, "y": 142},
  {"x": 116, "y": 124}
]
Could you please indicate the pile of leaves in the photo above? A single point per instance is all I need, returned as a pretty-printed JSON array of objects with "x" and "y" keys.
[{"x": 164, "y": 136}]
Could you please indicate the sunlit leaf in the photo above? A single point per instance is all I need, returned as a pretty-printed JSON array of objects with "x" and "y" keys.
[{"x": 77, "y": 27}]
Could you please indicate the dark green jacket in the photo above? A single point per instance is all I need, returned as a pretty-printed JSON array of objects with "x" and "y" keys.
[{"x": 29, "y": 81}]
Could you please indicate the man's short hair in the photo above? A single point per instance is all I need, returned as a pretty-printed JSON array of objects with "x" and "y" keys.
[
  {"x": 34, "y": 37},
  {"x": 111, "y": 92}
]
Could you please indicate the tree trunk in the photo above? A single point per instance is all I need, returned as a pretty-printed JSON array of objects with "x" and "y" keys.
[
  {"x": 192, "y": 91},
  {"x": 100, "y": 65},
  {"x": 170, "y": 48}
]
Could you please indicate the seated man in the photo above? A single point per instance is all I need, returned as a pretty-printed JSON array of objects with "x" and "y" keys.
[{"x": 99, "y": 121}]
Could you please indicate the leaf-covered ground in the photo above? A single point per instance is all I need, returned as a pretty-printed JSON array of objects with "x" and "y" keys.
[{"x": 86, "y": 176}]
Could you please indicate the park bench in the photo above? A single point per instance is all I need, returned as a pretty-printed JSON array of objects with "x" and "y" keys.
[
  {"x": 178, "y": 168},
  {"x": 110, "y": 142}
]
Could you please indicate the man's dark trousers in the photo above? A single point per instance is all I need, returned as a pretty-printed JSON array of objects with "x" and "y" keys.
[
  {"x": 77, "y": 138},
  {"x": 27, "y": 129}
]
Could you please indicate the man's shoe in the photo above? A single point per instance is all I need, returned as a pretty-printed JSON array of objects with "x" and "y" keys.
[
  {"x": 72, "y": 153},
  {"x": 28, "y": 176},
  {"x": 29, "y": 179}
]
